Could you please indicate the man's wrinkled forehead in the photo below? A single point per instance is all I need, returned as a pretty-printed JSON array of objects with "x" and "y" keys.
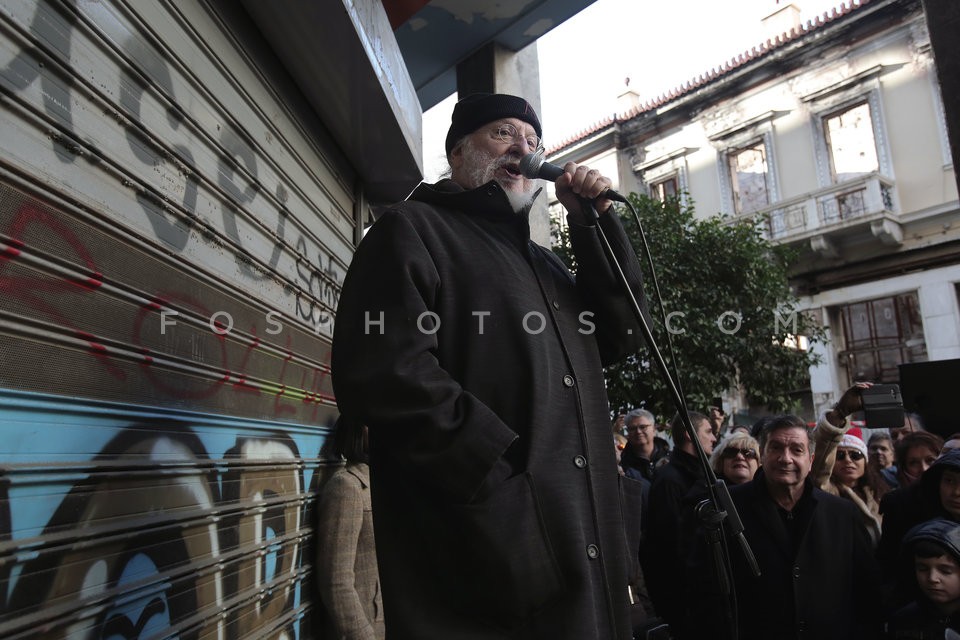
[{"x": 789, "y": 435}]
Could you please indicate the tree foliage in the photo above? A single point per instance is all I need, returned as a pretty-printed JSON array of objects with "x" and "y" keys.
[{"x": 728, "y": 303}]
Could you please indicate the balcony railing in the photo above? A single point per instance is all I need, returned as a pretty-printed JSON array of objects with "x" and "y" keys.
[{"x": 840, "y": 206}]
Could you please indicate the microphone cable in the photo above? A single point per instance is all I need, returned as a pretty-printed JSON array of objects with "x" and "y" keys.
[{"x": 656, "y": 288}]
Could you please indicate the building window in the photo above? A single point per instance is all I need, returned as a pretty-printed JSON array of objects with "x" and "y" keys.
[
  {"x": 749, "y": 177},
  {"x": 879, "y": 335},
  {"x": 851, "y": 142},
  {"x": 664, "y": 188},
  {"x": 664, "y": 174}
]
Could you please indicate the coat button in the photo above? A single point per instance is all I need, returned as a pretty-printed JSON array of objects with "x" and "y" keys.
[
  {"x": 568, "y": 381},
  {"x": 580, "y": 462},
  {"x": 593, "y": 551},
  {"x": 801, "y": 626},
  {"x": 796, "y": 572},
  {"x": 556, "y": 305}
]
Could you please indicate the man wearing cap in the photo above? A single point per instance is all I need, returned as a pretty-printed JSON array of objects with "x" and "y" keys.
[{"x": 476, "y": 360}]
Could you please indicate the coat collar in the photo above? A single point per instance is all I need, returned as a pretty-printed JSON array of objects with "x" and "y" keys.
[
  {"x": 361, "y": 471},
  {"x": 687, "y": 462},
  {"x": 486, "y": 200},
  {"x": 768, "y": 511}
]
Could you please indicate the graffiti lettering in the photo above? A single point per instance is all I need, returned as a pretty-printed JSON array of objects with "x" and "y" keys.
[
  {"x": 170, "y": 201},
  {"x": 181, "y": 386},
  {"x": 54, "y": 26},
  {"x": 320, "y": 287},
  {"x": 174, "y": 172},
  {"x": 47, "y": 296},
  {"x": 203, "y": 549},
  {"x": 28, "y": 289}
]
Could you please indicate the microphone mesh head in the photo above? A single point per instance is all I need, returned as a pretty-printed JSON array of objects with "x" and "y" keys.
[{"x": 530, "y": 165}]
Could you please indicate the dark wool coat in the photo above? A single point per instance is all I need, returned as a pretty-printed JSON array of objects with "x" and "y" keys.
[
  {"x": 496, "y": 498},
  {"x": 676, "y": 488},
  {"x": 825, "y": 589}
]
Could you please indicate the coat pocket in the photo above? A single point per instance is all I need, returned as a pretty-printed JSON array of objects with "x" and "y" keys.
[{"x": 509, "y": 568}]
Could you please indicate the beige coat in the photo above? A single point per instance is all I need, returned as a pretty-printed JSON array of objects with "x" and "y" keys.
[
  {"x": 828, "y": 439},
  {"x": 348, "y": 580}
]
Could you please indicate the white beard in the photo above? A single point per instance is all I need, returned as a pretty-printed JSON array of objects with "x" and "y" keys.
[
  {"x": 520, "y": 201},
  {"x": 481, "y": 168}
]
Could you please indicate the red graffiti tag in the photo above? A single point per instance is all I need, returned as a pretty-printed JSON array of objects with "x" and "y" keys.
[{"x": 27, "y": 289}]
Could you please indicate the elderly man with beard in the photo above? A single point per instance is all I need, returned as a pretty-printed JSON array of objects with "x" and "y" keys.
[
  {"x": 476, "y": 359},
  {"x": 819, "y": 578}
]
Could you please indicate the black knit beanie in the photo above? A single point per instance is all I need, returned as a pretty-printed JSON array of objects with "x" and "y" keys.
[{"x": 478, "y": 109}]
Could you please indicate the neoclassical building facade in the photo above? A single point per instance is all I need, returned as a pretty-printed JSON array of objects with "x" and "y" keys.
[{"x": 833, "y": 133}]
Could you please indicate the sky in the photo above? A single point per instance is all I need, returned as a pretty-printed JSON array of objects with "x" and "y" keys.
[{"x": 658, "y": 44}]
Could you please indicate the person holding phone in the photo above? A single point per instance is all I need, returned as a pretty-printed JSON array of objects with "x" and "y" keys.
[
  {"x": 717, "y": 416},
  {"x": 840, "y": 461}
]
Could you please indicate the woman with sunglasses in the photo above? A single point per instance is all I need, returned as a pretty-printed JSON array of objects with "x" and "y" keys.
[
  {"x": 736, "y": 459},
  {"x": 840, "y": 461}
]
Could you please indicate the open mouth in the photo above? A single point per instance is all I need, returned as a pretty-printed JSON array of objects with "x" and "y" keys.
[{"x": 513, "y": 170}]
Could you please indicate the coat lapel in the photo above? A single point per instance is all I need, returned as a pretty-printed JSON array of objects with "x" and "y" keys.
[{"x": 768, "y": 516}]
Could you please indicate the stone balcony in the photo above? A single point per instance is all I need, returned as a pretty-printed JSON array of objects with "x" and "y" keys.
[{"x": 857, "y": 209}]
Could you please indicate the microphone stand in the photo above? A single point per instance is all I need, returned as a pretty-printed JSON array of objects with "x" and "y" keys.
[{"x": 718, "y": 508}]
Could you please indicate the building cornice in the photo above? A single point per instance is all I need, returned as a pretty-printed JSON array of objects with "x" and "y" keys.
[{"x": 767, "y": 61}]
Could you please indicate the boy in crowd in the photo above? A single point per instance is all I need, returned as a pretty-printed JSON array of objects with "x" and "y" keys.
[{"x": 935, "y": 550}]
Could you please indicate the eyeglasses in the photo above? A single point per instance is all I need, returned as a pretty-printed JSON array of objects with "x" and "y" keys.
[
  {"x": 509, "y": 134},
  {"x": 855, "y": 455},
  {"x": 639, "y": 427},
  {"x": 731, "y": 452}
]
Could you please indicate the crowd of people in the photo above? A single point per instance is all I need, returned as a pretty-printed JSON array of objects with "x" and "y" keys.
[
  {"x": 853, "y": 538},
  {"x": 468, "y": 361}
]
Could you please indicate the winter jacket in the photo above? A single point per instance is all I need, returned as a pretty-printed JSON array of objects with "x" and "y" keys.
[
  {"x": 828, "y": 439},
  {"x": 821, "y": 583},
  {"x": 348, "y": 581},
  {"x": 902, "y": 509},
  {"x": 646, "y": 466},
  {"x": 476, "y": 358},
  {"x": 922, "y": 619},
  {"x": 673, "y": 496}
]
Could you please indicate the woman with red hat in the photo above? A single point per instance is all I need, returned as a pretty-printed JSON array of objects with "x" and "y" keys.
[{"x": 840, "y": 462}]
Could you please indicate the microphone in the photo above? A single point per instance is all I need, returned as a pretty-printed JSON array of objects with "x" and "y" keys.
[{"x": 533, "y": 166}]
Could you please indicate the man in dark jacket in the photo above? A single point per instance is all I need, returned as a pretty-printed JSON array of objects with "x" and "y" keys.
[
  {"x": 677, "y": 488},
  {"x": 644, "y": 449},
  {"x": 819, "y": 578},
  {"x": 476, "y": 360}
]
